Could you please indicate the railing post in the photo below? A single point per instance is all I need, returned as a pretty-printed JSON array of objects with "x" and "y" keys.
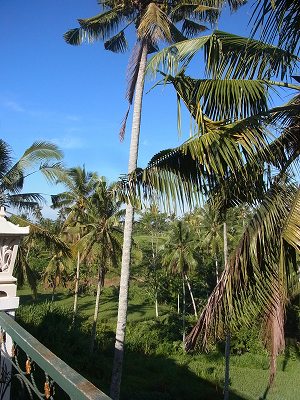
[{"x": 10, "y": 236}]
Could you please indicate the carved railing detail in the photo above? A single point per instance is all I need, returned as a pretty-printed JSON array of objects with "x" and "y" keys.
[{"x": 26, "y": 355}]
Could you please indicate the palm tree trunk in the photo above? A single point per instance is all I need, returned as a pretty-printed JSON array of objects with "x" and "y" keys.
[
  {"x": 96, "y": 312},
  {"x": 183, "y": 312},
  {"x": 156, "y": 305},
  {"x": 178, "y": 303},
  {"x": 54, "y": 286},
  {"x": 76, "y": 288},
  {"x": 127, "y": 239},
  {"x": 227, "y": 345},
  {"x": 191, "y": 294},
  {"x": 53, "y": 291},
  {"x": 217, "y": 271}
]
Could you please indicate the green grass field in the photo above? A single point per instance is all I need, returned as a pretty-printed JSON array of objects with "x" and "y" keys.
[{"x": 169, "y": 373}]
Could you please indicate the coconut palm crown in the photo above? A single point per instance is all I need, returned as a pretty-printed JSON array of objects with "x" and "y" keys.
[{"x": 40, "y": 157}]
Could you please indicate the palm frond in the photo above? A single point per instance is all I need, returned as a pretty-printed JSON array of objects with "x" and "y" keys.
[
  {"x": 133, "y": 69},
  {"x": 23, "y": 271},
  {"x": 170, "y": 58},
  {"x": 24, "y": 201},
  {"x": 248, "y": 285},
  {"x": 191, "y": 28},
  {"x": 38, "y": 153},
  {"x": 291, "y": 231},
  {"x": 98, "y": 27},
  {"x": 233, "y": 56},
  {"x": 222, "y": 99},
  {"x": 51, "y": 240},
  {"x": 117, "y": 44},
  {"x": 227, "y": 56},
  {"x": 5, "y": 158},
  {"x": 280, "y": 20},
  {"x": 52, "y": 172},
  {"x": 155, "y": 25}
]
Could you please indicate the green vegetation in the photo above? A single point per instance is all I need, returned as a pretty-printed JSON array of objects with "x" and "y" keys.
[
  {"x": 236, "y": 250},
  {"x": 156, "y": 367}
]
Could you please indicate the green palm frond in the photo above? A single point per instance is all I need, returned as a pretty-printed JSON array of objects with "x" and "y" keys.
[
  {"x": 99, "y": 27},
  {"x": 171, "y": 57},
  {"x": 52, "y": 241},
  {"x": 184, "y": 174},
  {"x": 208, "y": 11},
  {"x": 39, "y": 151},
  {"x": 233, "y": 56},
  {"x": 5, "y": 158},
  {"x": 117, "y": 44},
  {"x": 280, "y": 20},
  {"x": 38, "y": 154},
  {"x": 24, "y": 201},
  {"x": 191, "y": 28},
  {"x": 227, "y": 56},
  {"x": 102, "y": 26},
  {"x": 23, "y": 272},
  {"x": 76, "y": 36},
  {"x": 291, "y": 231},
  {"x": 249, "y": 283},
  {"x": 52, "y": 172},
  {"x": 221, "y": 99}
]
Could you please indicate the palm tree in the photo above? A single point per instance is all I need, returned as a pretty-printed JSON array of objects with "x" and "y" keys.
[
  {"x": 101, "y": 237},
  {"x": 40, "y": 157},
  {"x": 178, "y": 257},
  {"x": 80, "y": 185},
  {"x": 211, "y": 232},
  {"x": 229, "y": 158},
  {"x": 38, "y": 234},
  {"x": 58, "y": 271},
  {"x": 153, "y": 225},
  {"x": 154, "y": 21}
]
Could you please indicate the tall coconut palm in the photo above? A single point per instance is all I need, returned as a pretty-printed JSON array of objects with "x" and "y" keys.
[
  {"x": 230, "y": 157},
  {"x": 40, "y": 157},
  {"x": 80, "y": 185},
  {"x": 179, "y": 258},
  {"x": 154, "y": 21},
  {"x": 211, "y": 233},
  {"x": 101, "y": 237}
]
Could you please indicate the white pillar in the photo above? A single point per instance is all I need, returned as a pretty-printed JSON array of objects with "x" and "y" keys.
[{"x": 10, "y": 236}]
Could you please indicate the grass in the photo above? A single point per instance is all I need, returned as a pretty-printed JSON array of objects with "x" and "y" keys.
[{"x": 156, "y": 369}]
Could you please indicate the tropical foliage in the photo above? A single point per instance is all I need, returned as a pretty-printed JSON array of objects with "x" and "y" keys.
[
  {"x": 41, "y": 157},
  {"x": 230, "y": 158}
]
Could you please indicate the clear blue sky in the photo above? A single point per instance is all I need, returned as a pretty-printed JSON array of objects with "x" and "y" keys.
[{"x": 74, "y": 96}]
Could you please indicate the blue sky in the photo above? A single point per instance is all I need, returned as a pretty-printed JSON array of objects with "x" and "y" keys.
[{"x": 75, "y": 96}]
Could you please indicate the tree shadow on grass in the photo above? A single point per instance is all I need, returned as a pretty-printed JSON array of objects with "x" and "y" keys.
[
  {"x": 27, "y": 299},
  {"x": 291, "y": 351},
  {"x": 160, "y": 378},
  {"x": 144, "y": 376}
]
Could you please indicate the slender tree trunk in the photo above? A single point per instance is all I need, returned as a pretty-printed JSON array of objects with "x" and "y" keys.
[
  {"x": 217, "y": 271},
  {"x": 191, "y": 294},
  {"x": 76, "y": 288},
  {"x": 183, "y": 311},
  {"x": 53, "y": 290},
  {"x": 227, "y": 344},
  {"x": 127, "y": 239},
  {"x": 96, "y": 312},
  {"x": 156, "y": 305},
  {"x": 178, "y": 303},
  {"x": 54, "y": 286}
]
